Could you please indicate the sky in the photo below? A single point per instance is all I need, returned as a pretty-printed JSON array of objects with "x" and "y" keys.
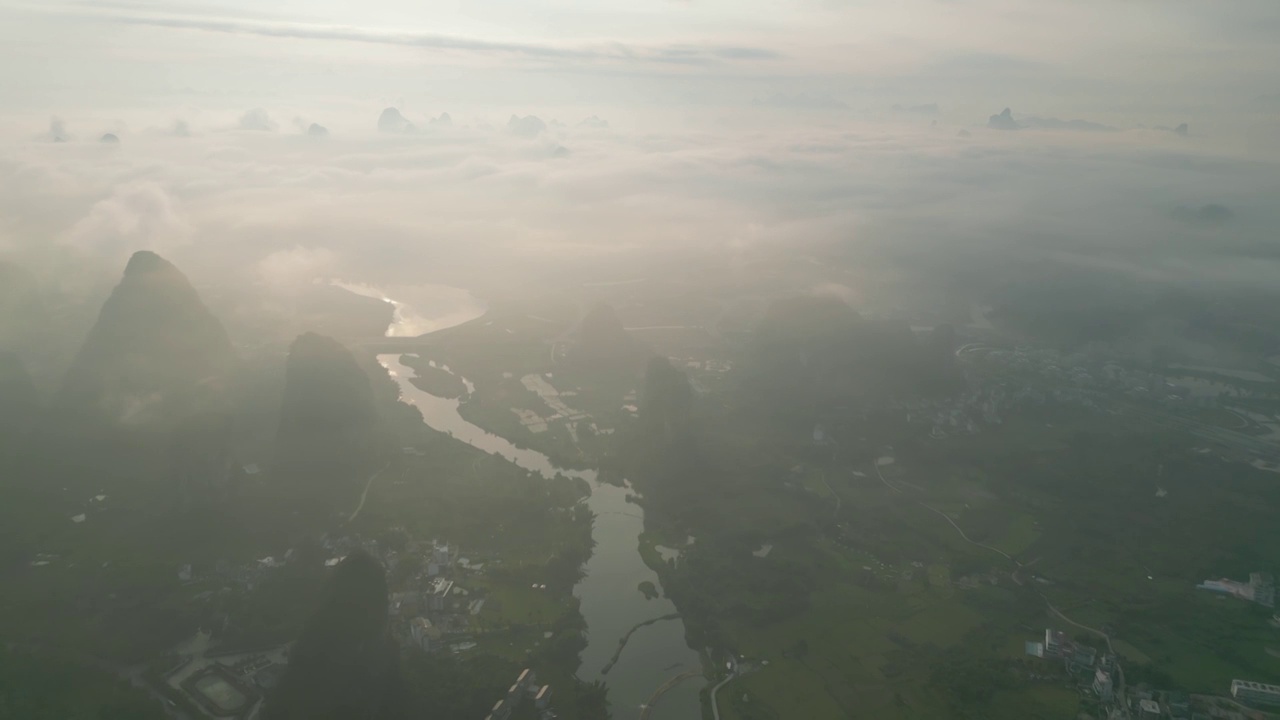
[
  {"x": 1143, "y": 57},
  {"x": 667, "y": 126}
]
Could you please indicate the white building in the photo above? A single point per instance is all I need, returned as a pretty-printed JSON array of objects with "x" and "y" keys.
[
  {"x": 1054, "y": 642},
  {"x": 440, "y": 588},
  {"x": 1255, "y": 692},
  {"x": 501, "y": 711},
  {"x": 440, "y": 555},
  {"x": 1102, "y": 684},
  {"x": 1259, "y": 589},
  {"x": 543, "y": 697},
  {"x": 424, "y": 633}
]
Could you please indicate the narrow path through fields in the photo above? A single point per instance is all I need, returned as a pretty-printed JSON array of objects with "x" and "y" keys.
[
  {"x": 887, "y": 484},
  {"x": 365, "y": 494},
  {"x": 1002, "y": 553},
  {"x": 1069, "y": 621},
  {"x": 715, "y": 703}
]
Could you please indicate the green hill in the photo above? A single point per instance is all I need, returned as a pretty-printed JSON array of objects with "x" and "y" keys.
[
  {"x": 326, "y": 437},
  {"x": 153, "y": 351}
]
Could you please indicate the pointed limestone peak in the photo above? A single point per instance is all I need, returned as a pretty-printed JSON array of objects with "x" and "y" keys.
[
  {"x": 145, "y": 262},
  {"x": 154, "y": 343}
]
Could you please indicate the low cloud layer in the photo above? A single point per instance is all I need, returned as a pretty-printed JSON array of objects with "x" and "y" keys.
[
  {"x": 491, "y": 207},
  {"x": 416, "y": 142},
  {"x": 293, "y": 268},
  {"x": 137, "y": 216}
]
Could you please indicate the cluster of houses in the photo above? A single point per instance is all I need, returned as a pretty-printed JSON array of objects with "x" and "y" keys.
[
  {"x": 1077, "y": 369},
  {"x": 431, "y": 610},
  {"x": 424, "y": 607},
  {"x": 428, "y": 607},
  {"x": 1100, "y": 677},
  {"x": 1260, "y": 588},
  {"x": 969, "y": 411},
  {"x": 1078, "y": 658}
]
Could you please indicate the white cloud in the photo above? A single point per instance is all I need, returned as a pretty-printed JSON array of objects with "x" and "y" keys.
[
  {"x": 290, "y": 269},
  {"x": 484, "y": 209},
  {"x": 611, "y": 52},
  {"x": 137, "y": 216}
]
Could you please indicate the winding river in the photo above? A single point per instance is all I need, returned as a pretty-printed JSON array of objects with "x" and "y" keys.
[
  {"x": 420, "y": 309},
  {"x": 611, "y": 601}
]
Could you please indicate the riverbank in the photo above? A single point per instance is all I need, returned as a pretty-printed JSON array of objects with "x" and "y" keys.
[
  {"x": 436, "y": 380},
  {"x": 622, "y": 642},
  {"x": 608, "y": 599}
]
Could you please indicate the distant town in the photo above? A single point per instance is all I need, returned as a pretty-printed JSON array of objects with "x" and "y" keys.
[
  {"x": 431, "y": 609},
  {"x": 1100, "y": 678}
]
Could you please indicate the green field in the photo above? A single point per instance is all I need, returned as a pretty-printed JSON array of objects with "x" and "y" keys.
[
  {"x": 890, "y": 608},
  {"x": 48, "y": 686},
  {"x": 508, "y": 604},
  {"x": 1020, "y": 534},
  {"x": 1044, "y": 702}
]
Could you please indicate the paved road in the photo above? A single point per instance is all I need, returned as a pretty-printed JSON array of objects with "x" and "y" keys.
[
  {"x": 1069, "y": 621},
  {"x": 715, "y": 703},
  {"x": 887, "y": 484},
  {"x": 1099, "y": 633}
]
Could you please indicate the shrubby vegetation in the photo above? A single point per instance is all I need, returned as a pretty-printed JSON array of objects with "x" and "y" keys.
[{"x": 45, "y": 685}]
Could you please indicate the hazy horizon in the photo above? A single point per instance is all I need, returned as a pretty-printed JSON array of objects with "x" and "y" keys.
[{"x": 854, "y": 130}]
